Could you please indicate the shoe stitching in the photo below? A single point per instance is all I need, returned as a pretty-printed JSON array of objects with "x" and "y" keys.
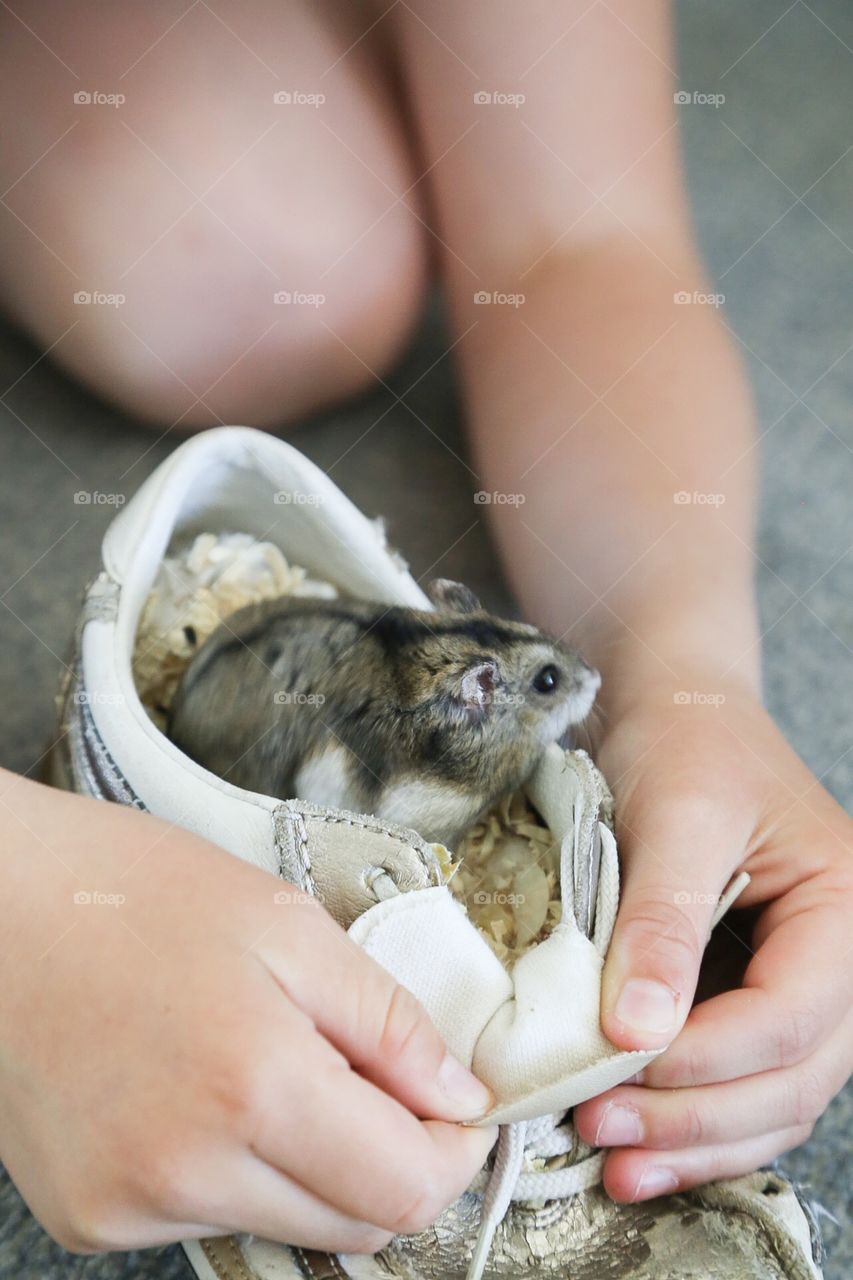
[
  {"x": 304, "y": 1265},
  {"x": 228, "y": 1244},
  {"x": 85, "y": 750},
  {"x": 336, "y": 1266},
  {"x": 325, "y": 1259},
  {"x": 294, "y": 822},
  {"x": 376, "y": 828},
  {"x": 295, "y": 817},
  {"x": 103, "y": 763}
]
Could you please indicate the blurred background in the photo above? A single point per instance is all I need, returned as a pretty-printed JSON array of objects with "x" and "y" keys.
[{"x": 771, "y": 179}]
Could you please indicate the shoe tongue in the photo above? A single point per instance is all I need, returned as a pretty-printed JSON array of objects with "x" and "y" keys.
[
  {"x": 577, "y": 799},
  {"x": 349, "y": 861}
]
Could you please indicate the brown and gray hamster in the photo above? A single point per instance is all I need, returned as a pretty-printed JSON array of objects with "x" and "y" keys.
[{"x": 422, "y": 718}]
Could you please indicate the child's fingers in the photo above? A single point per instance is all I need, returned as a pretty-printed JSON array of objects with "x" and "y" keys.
[
  {"x": 378, "y": 1026},
  {"x": 785, "y": 1010},
  {"x": 348, "y": 1142},
  {"x": 669, "y": 1119},
  {"x": 254, "y": 1198},
  {"x": 228, "y": 1191},
  {"x": 678, "y": 854},
  {"x": 631, "y": 1175}
]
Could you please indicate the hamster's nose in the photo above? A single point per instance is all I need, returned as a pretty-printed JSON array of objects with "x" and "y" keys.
[{"x": 588, "y": 679}]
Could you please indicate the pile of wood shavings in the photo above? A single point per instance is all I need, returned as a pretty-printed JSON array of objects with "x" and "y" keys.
[
  {"x": 507, "y": 874},
  {"x": 196, "y": 589}
]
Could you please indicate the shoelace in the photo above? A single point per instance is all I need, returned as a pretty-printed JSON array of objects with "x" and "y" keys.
[{"x": 542, "y": 1138}]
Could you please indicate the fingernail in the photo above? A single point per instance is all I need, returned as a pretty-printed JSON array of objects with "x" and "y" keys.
[
  {"x": 462, "y": 1088},
  {"x": 647, "y": 1007},
  {"x": 655, "y": 1180},
  {"x": 619, "y": 1126}
]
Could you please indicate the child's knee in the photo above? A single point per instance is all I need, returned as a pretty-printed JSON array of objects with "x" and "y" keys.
[
  {"x": 217, "y": 331},
  {"x": 154, "y": 248}
]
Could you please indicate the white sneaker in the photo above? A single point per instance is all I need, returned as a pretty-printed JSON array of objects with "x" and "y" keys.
[{"x": 532, "y": 1034}]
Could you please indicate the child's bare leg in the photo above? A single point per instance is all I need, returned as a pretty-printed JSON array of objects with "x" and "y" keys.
[{"x": 199, "y": 198}]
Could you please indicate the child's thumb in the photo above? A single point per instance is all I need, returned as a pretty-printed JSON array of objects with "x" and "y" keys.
[
  {"x": 378, "y": 1025},
  {"x": 668, "y": 901}
]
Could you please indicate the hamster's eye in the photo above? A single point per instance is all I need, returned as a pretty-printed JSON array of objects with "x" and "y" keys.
[{"x": 547, "y": 680}]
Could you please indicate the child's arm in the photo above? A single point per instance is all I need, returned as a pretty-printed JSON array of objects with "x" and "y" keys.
[
  {"x": 601, "y": 400},
  {"x": 182, "y": 1055}
]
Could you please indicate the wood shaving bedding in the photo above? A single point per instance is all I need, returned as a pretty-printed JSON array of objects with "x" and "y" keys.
[
  {"x": 507, "y": 874},
  {"x": 196, "y": 589},
  {"x": 506, "y": 868}
]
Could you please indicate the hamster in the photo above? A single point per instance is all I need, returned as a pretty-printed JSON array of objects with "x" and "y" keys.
[{"x": 422, "y": 718}]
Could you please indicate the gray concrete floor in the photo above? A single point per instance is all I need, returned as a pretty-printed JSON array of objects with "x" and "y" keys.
[{"x": 771, "y": 182}]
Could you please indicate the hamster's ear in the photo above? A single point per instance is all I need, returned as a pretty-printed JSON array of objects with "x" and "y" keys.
[
  {"x": 478, "y": 685},
  {"x": 452, "y": 597}
]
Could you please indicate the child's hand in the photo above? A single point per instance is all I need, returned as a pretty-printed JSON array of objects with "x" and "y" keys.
[
  {"x": 703, "y": 790},
  {"x": 182, "y": 1055}
]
